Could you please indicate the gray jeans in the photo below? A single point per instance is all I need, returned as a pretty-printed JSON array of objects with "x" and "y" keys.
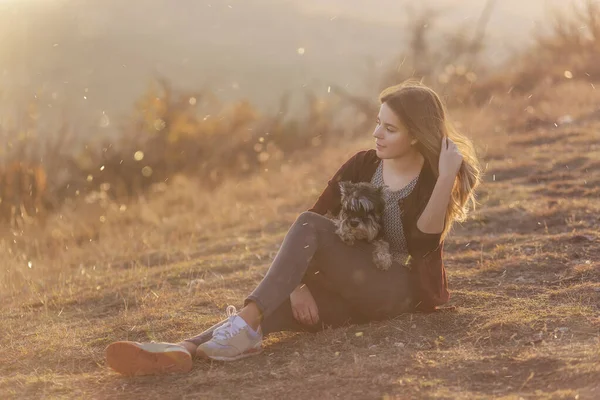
[{"x": 345, "y": 283}]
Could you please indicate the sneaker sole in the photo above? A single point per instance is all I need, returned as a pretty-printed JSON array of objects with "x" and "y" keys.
[
  {"x": 129, "y": 359},
  {"x": 251, "y": 352}
]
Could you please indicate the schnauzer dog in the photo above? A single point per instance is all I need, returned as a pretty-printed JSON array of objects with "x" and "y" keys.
[{"x": 360, "y": 218}]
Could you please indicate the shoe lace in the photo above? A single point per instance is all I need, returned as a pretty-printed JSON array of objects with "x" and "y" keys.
[{"x": 228, "y": 329}]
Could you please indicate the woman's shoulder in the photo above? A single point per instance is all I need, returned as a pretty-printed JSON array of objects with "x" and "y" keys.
[
  {"x": 361, "y": 166},
  {"x": 364, "y": 157}
]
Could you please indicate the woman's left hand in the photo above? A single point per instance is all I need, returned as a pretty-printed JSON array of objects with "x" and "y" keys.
[
  {"x": 450, "y": 158},
  {"x": 304, "y": 306}
]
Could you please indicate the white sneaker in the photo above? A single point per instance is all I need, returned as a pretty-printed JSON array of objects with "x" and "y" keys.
[
  {"x": 231, "y": 341},
  {"x": 133, "y": 358}
]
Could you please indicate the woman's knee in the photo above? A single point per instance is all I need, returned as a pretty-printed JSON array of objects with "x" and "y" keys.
[
  {"x": 314, "y": 221},
  {"x": 306, "y": 217},
  {"x": 310, "y": 216}
]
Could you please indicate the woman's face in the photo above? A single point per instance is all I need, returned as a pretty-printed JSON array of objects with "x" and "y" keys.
[{"x": 392, "y": 139}]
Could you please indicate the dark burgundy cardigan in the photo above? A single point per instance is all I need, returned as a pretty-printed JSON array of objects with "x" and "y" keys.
[{"x": 425, "y": 249}]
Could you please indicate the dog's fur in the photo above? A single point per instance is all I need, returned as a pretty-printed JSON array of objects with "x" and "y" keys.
[{"x": 360, "y": 218}]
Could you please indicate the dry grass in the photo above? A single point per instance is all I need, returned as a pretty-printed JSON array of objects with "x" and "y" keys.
[{"x": 523, "y": 272}]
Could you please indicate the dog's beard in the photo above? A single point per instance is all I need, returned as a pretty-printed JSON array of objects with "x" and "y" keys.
[{"x": 367, "y": 228}]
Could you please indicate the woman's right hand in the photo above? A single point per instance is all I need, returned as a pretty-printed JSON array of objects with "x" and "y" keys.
[{"x": 304, "y": 307}]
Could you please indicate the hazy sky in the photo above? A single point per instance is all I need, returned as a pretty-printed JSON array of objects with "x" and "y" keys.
[
  {"x": 96, "y": 57},
  {"x": 392, "y": 10}
]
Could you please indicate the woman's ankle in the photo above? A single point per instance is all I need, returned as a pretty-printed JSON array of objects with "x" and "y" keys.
[
  {"x": 251, "y": 314},
  {"x": 189, "y": 346}
]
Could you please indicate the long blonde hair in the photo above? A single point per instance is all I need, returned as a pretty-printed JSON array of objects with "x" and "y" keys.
[{"x": 424, "y": 115}]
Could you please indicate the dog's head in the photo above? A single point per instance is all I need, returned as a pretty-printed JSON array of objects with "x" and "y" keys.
[{"x": 362, "y": 209}]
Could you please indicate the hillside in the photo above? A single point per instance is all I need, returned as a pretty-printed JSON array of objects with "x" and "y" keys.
[{"x": 523, "y": 273}]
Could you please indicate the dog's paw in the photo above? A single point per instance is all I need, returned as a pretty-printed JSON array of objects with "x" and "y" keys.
[
  {"x": 382, "y": 261},
  {"x": 382, "y": 258}
]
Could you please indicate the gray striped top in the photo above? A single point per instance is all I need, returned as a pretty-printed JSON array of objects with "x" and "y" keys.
[{"x": 393, "y": 232}]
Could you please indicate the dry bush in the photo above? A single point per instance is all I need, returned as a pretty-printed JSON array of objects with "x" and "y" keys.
[
  {"x": 569, "y": 48},
  {"x": 31, "y": 168},
  {"x": 22, "y": 191},
  {"x": 193, "y": 133},
  {"x": 170, "y": 132},
  {"x": 573, "y": 44},
  {"x": 448, "y": 61}
]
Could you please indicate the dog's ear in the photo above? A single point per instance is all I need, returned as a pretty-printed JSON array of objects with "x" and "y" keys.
[{"x": 345, "y": 187}]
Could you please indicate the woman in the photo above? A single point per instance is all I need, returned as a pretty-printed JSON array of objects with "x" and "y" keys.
[{"x": 316, "y": 280}]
